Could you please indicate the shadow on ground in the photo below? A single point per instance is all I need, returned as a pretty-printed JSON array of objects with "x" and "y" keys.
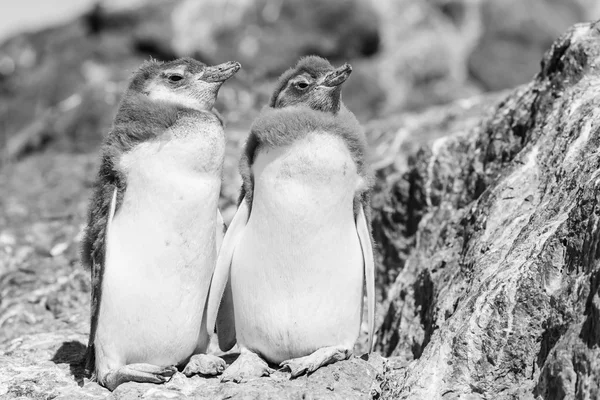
[{"x": 72, "y": 353}]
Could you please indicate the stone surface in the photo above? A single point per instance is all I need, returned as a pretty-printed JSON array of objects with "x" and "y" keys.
[
  {"x": 498, "y": 297},
  {"x": 48, "y": 365},
  {"x": 397, "y": 144}
]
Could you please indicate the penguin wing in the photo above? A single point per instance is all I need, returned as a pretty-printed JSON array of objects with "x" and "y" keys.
[
  {"x": 97, "y": 275},
  {"x": 221, "y": 228},
  {"x": 220, "y": 302},
  {"x": 226, "y": 320},
  {"x": 369, "y": 266}
]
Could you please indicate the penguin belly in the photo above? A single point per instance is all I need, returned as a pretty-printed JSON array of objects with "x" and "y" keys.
[
  {"x": 161, "y": 253},
  {"x": 297, "y": 271}
]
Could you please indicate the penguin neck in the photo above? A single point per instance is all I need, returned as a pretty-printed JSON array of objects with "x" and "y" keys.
[
  {"x": 193, "y": 146},
  {"x": 184, "y": 165},
  {"x": 166, "y": 192},
  {"x": 315, "y": 173}
]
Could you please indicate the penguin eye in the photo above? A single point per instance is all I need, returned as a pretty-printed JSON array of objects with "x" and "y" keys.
[{"x": 175, "y": 78}]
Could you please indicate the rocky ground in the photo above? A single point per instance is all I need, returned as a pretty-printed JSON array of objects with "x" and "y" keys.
[
  {"x": 485, "y": 211},
  {"x": 48, "y": 366},
  {"x": 499, "y": 293}
]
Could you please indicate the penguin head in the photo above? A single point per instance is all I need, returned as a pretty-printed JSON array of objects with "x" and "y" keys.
[
  {"x": 184, "y": 82},
  {"x": 313, "y": 82}
]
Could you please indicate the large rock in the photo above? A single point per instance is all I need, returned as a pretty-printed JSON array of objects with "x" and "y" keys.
[
  {"x": 499, "y": 297},
  {"x": 395, "y": 147}
]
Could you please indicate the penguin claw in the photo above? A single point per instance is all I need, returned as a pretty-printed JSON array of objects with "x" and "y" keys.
[
  {"x": 137, "y": 373},
  {"x": 204, "y": 364},
  {"x": 247, "y": 366},
  {"x": 312, "y": 362},
  {"x": 167, "y": 372},
  {"x": 296, "y": 368}
]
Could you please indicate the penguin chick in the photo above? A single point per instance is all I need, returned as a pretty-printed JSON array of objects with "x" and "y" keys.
[
  {"x": 154, "y": 228},
  {"x": 291, "y": 269}
]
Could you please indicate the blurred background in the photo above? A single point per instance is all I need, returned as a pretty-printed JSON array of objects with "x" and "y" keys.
[{"x": 65, "y": 63}]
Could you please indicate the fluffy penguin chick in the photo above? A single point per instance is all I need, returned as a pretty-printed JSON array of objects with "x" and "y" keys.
[
  {"x": 291, "y": 269},
  {"x": 154, "y": 227}
]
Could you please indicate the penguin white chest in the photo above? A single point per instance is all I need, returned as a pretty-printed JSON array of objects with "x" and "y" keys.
[
  {"x": 297, "y": 272},
  {"x": 161, "y": 253}
]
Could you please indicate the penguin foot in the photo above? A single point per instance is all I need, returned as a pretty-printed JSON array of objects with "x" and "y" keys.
[
  {"x": 204, "y": 364},
  {"x": 247, "y": 366},
  {"x": 316, "y": 360},
  {"x": 138, "y": 373}
]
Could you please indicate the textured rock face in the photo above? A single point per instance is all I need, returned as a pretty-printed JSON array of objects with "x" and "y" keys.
[
  {"x": 499, "y": 297},
  {"x": 399, "y": 146}
]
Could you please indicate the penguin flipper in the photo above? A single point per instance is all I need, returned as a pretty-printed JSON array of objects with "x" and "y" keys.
[
  {"x": 226, "y": 320},
  {"x": 97, "y": 275},
  {"x": 221, "y": 228},
  {"x": 217, "y": 310},
  {"x": 369, "y": 266}
]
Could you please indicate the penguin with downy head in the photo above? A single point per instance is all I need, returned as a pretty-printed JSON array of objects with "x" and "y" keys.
[
  {"x": 288, "y": 286},
  {"x": 154, "y": 228}
]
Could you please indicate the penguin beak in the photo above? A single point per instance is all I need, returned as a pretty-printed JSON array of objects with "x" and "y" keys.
[
  {"x": 221, "y": 72},
  {"x": 337, "y": 76}
]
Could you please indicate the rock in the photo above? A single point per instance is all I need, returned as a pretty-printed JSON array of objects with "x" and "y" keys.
[
  {"x": 395, "y": 146},
  {"x": 499, "y": 295},
  {"x": 436, "y": 51},
  {"x": 43, "y": 203},
  {"x": 518, "y": 33},
  {"x": 49, "y": 365},
  {"x": 423, "y": 57},
  {"x": 268, "y": 37},
  {"x": 41, "y": 366}
]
